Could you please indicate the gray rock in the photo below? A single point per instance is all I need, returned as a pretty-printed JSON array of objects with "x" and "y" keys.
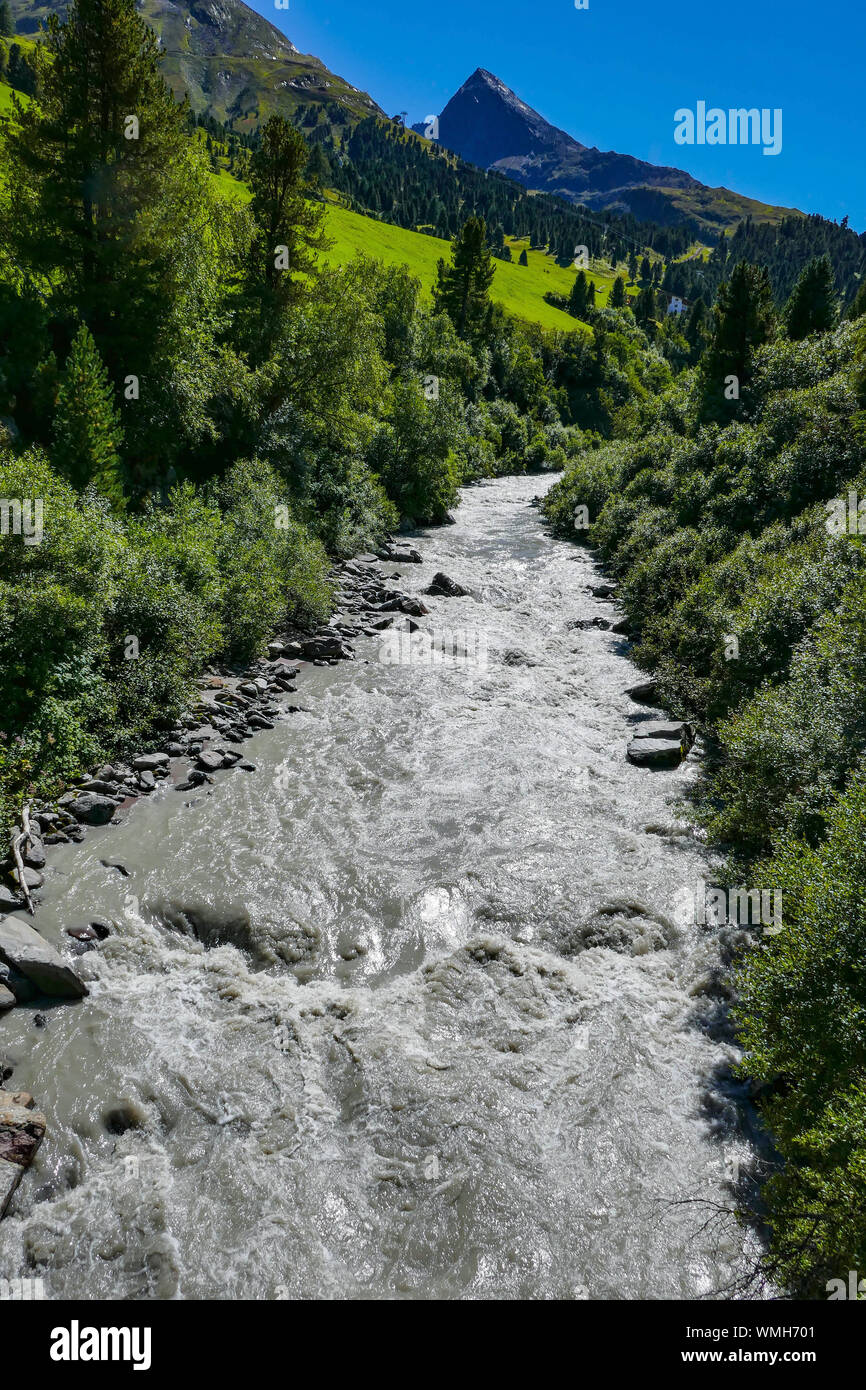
[
  {"x": 92, "y": 809},
  {"x": 146, "y": 780},
  {"x": 22, "y": 948},
  {"x": 149, "y": 762},
  {"x": 655, "y": 752},
  {"x": 447, "y": 588},
  {"x": 32, "y": 878},
  {"x": 666, "y": 729},
  {"x": 644, "y": 692},
  {"x": 34, "y": 854},
  {"x": 7, "y": 999},
  {"x": 603, "y": 590},
  {"x": 209, "y": 760},
  {"x": 21, "y": 1132},
  {"x": 320, "y": 648}
]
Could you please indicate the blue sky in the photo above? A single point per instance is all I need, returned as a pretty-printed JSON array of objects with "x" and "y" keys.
[{"x": 613, "y": 76}]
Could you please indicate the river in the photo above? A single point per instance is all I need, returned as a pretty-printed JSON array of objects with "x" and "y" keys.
[{"x": 455, "y": 1038}]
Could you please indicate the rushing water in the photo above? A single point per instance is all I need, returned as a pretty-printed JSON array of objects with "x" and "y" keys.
[{"x": 453, "y": 1038}]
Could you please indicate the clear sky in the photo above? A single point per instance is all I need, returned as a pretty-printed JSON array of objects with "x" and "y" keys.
[{"x": 614, "y": 74}]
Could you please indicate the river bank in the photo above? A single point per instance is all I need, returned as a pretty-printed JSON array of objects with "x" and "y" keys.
[{"x": 419, "y": 1010}]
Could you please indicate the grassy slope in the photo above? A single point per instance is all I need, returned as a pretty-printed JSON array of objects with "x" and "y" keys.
[{"x": 520, "y": 289}]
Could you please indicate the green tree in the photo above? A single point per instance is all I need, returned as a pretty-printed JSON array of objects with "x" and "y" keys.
[
  {"x": 462, "y": 290},
  {"x": 645, "y": 305},
  {"x": 107, "y": 198},
  {"x": 812, "y": 307},
  {"x": 87, "y": 433},
  {"x": 858, "y": 304},
  {"x": 578, "y": 300},
  {"x": 6, "y": 25},
  {"x": 318, "y": 169},
  {"x": 743, "y": 319},
  {"x": 523, "y": 259},
  {"x": 618, "y": 298},
  {"x": 288, "y": 223},
  {"x": 697, "y": 328}
]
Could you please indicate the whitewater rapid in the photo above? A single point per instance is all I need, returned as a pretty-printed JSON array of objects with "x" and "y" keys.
[{"x": 457, "y": 1037}]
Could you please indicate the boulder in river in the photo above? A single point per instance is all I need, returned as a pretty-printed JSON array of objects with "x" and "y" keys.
[
  {"x": 209, "y": 760},
  {"x": 445, "y": 587},
  {"x": 656, "y": 752},
  {"x": 149, "y": 762},
  {"x": 321, "y": 648},
  {"x": 21, "y": 1132},
  {"x": 90, "y": 808},
  {"x": 24, "y": 950},
  {"x": 644, "y": 692}
]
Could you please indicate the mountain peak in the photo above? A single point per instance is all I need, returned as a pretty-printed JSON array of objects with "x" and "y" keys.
[{"x": 486, "y": 121}]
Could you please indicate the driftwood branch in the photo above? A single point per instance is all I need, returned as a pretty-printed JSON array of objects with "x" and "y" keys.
[{"x": 19, "y": 840}]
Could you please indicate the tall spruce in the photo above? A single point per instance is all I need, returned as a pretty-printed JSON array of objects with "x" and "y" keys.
[
  {"x": 87, "y": 432},
  {"x": 743, "y": 319},
  {"x": 618, "y": 298},
  {"x": 288, "y": 221},
  {"x": 462, "y": 290},
  {"x": 105, "y": 192},
  {"x": 812, "y": 307}
]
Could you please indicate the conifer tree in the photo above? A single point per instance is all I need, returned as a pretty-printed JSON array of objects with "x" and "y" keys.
[
  {"x": 462, "y": 290},
  {"x": 578, "y": 300},
  {"x": 87, "y": 433},
  {"x": 743, "y": 319},
  {"x": 288, "y": 222},
  {"x": 523, "y": 258},
  {"x": 618, "y": 298},
  {"x": 812, "y": 307},
  {"x": 105, "y": 190}
]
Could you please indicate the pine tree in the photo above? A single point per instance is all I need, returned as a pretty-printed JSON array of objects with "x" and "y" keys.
[
  {"x": 697, "y": 328},
  {"x": 107, "y": 198},
  {"x": 6, "y": 25},
  {"x": 632, "y": 267},
  {"x": 857, "y": 306},
  {"x": 87, "y": 432},
  {"x": 578, "y": 300},
  {"x": 318, "y": 169},
  {"x": 812, "y": 307},
  {"x": 618, "y": 298},
  {"x": 284, "y": 214},
  {"x": 523, "y": 259},
  {"x": 743, "y": 319},
  {"x": 644, "y": 309},
  {"x": 462, "y": 290}
]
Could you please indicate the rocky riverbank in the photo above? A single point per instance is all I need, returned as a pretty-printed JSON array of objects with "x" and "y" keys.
[{"x": 231, "y": 707}]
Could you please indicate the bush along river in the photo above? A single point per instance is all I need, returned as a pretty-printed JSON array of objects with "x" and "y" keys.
[{"x": 406, "y": 997}]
